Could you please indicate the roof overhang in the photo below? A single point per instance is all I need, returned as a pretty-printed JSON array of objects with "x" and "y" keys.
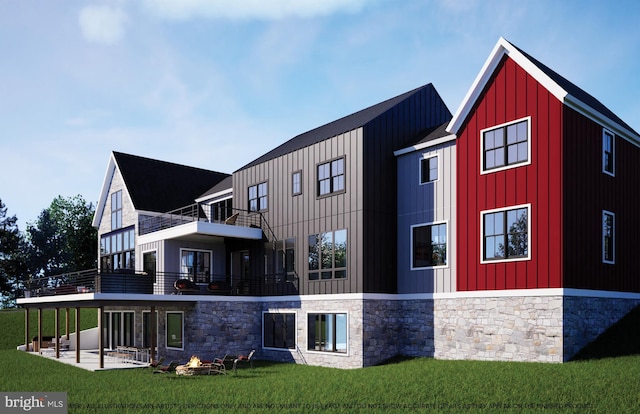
[
  {"x": 424, "y": 145},
  {"x": 202, "y": 228}
]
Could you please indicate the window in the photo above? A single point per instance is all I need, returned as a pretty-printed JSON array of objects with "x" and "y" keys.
[
  {"x": 221, "y": 210},
  {"x": 258, "y": 197},
  {"x": 429, "y": 245},
  {"x": 174, "y": 330},
  {"x": 146, "y": 329},
  {"x": 117, "y": 329},
  {"x": 428, "y": 169},
  {"x": 285, "y": 259},
  {"x": 331, "y": 177},
  {"x": 327, "y": 332},
  {"x": 116, "y": 210},
  {"x": 149, "y": 264},
  {"x": 279, "y": 330},
  {"x": 296, "y": 183},
  {"x": 608, "y": 236},
  {"x": 196, "y": 264},
  {"x": 328, "y": 255},
  {"x": 608, "y": 154},
  {"x": 505, "y": 234},
  {"x": 506, "y": 145},
  {"x": 117, "y": 250}
]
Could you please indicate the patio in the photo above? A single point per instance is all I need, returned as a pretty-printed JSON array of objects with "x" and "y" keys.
[{"x": 90, "y": 360}]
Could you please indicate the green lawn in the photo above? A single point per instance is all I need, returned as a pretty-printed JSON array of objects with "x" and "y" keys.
[{"x": 424, "y": 385}]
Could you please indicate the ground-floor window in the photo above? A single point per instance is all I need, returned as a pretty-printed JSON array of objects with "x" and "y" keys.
[
  {"x": 118, "y": 329},
  {"x": 175, "y": 330},
  {"x": 327, "y": 332},
  {"x": 279, "y": 330}
]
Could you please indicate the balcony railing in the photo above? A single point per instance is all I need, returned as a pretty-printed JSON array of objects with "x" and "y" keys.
[
  {"x": 128, "y": 281},
  {"x": 196, "y": 212}
]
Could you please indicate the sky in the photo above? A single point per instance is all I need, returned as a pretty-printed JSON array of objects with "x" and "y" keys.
[{"x": 217, "y": 83}]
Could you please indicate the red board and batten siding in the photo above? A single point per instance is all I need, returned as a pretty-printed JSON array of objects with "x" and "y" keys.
[{"x": 512, "y": 94}]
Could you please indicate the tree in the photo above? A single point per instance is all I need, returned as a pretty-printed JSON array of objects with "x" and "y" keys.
[
  {"x": 13, "y": 269},
  {"x": 62, "y": 239}
]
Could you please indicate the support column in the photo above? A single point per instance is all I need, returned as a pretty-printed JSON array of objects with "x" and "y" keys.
[
  {"x": 77, "y": 335},
  {"x": 39, "y": 329},
  {"x": 57, "y": 330},
  {"x": 26, "y": 329},
  {"x": 100, "y": 337},
  {"x": 67, "y": 321},
  {"x": 154, "y": 334}
]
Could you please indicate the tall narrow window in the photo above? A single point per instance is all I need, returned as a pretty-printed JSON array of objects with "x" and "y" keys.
[
  {"x": 149, "y": 264},
  {"x": 506, "y": 145},
  {"x": 296, "y": 183},
  {"x": 608, "y": 153},
  {"x": 608, "y": 237},
  {"x": 428, "y": 169},
  {"x": 174, "y": 330},
  {"x": 116, "y": 210},
  {"x": 429, "y": 244},
  {"x": 331, "y": 177},
  {"x": 258, "y": 197},
  {"x": 505, "y": 234}
]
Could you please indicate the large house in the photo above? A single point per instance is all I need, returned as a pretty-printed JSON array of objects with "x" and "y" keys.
[{"x": 503, "y": 232}]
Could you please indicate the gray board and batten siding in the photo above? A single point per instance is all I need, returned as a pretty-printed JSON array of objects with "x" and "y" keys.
[{"x": 367, "y": 207}]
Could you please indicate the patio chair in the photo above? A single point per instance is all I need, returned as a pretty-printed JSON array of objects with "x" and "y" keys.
[
  {"x": 244, "y": 359},
  {"x": 168, "y": 368},
  {"x": 231, "y": 221},
  {"x": 156, "y": 364}
]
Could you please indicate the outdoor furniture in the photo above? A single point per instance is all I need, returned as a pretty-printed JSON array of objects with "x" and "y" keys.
[
  {"x": 167, "y": 368},
  {"x": 244, "y": 359},
  {"x": 231, "y": 221},
  {"x": 155, "y": 364},
  {"x": 185, "y": 285}
]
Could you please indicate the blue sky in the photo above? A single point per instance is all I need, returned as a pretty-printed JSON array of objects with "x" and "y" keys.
[{"x": 215, "y": 84}]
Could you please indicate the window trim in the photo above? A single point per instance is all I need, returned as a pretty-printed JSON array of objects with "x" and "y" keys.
[
  {"x": 347, "y": 337},
  {"x": 293, "y": 191},
  {"x": 510, "y": 166},
  {"x": 166, "y": 329},
  {"x": 432, "y": 223},
  {"x": 260, "y": 208},
  {"x": 117, "y": 212},
  {"x": 482, "y": 232},
  {"x": 188, "y": 249},
  {"x": 331, "y": 176},
  {"x": 295, "y": 330},
  {"x": 606, "y": 132},
  {"x": 426, "y": 157},
  {"x": 333, "y": 269},
  {"x": 613, "y": 237}
]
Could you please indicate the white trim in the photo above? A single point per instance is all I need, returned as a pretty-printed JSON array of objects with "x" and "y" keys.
[
  {"x": 613, "y": 236},
  {"x": 605, "y": 132},
  {"x": 509, "y": 166},
  {"x": 496, "y": 210},
  {"x": 295, "y": 329},
  {"x": 332, "y": 312},
  {"x": 428, "y": 156},
  {"x": 446, "y": 223},
  {"x": 424, "y": 145},
  {"x": 215, "y": 197},
  {"x": 166, "y": 328}
]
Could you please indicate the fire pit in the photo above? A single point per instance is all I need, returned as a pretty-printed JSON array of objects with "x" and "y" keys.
[{"x": 193, "y": 367}]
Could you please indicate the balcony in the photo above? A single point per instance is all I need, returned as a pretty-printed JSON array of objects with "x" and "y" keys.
[{"x": 131, "y": 282}]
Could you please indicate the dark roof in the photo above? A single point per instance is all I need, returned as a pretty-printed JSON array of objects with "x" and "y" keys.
[
  {"x": 576, "y": 91},
  {"x": 223, "y": 185},
  {"x": 163, "y": 186},
  {"x": 348, "y": 123},
  {"x": 435, "y": 133}
]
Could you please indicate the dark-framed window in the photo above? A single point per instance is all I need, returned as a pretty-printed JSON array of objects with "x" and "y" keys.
[
  {"x": 428, "y": 169},
  {"x": 279, "y": 330},
  {"x": 286, "y": 255},
  {"x": 196, "y": 264},
  {"x": 327, "y": 332},
  {"x": 296, "y": 183},
  {"x": 328, "y": 255},
  {"x": 117, "y": 250},
  {"x": 608, "y": 152},
  {"x": 331, "y": 177},
  {"x": 221, "y": 210},
  {"x": 146, "y": 329},
  {"x": 174, "y": 330},
  {"x": 505, "y": 234},
  {"x": 258, "y": 197},
  {"x": 608, "y": 237},
  {"x": 429, "y": 245},
  {"x": 116, "y": 210},
  {"x": 506, "y": 145},
  {"x": 149, "y": 264}
]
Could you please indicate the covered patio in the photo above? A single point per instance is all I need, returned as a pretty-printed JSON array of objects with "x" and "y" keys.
[{"x": 90, "y": 360}]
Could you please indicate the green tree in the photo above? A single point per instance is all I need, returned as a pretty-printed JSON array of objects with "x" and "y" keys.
[
  {"x": 13, "y": 268},
  {"x": 62, "y": 239}
]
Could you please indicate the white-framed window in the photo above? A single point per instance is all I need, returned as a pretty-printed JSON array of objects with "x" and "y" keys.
[
  {"x": 429, "y": 245},
  {"x": 505, "y": 146},
  {"x": 429, "y": 169},
  {"x": 116, "y": 210},
  {"x": 279, "y": 330},
  {"x": 608, "y": 153},
  {"x": 296, "y": 183},
  {"x": 258, "y": 197},
  {"x": 196, "y": 264},
  {"x": 505, "y": 234},
  {"x": 608, "y": 237},
  {"x": 328, "y": 332},
  {"x": 174, "y": 330}
]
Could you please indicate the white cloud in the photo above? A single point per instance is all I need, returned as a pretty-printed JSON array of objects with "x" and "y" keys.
[
  {"x": 249, "y": 9},
  {"x": 102, "y": 24}
]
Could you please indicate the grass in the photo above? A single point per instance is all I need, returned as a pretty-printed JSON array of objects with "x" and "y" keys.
[{"x": 420, "y": 385}]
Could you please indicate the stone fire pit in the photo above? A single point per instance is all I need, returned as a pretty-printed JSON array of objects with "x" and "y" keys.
[{"x": 193, "y": 367}]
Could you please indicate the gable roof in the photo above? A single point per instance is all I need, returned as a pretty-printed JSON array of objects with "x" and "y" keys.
[
  {"x": 564, "y": 90},
  {"x": 156, "y": 186},
  {"x": 342, "y": 125}
]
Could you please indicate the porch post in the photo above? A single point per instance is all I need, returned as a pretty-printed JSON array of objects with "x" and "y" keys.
[
  {"x": 39, "y": 329},
  {"x": 154, "y": 334},
  {"x": 57, "y": 332},
  {"x": 26, "y": 329},
  {"x": 100, "y": 338},
  {"x": 67, "y": 324},
  {"x": 77, "y": 335}
]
